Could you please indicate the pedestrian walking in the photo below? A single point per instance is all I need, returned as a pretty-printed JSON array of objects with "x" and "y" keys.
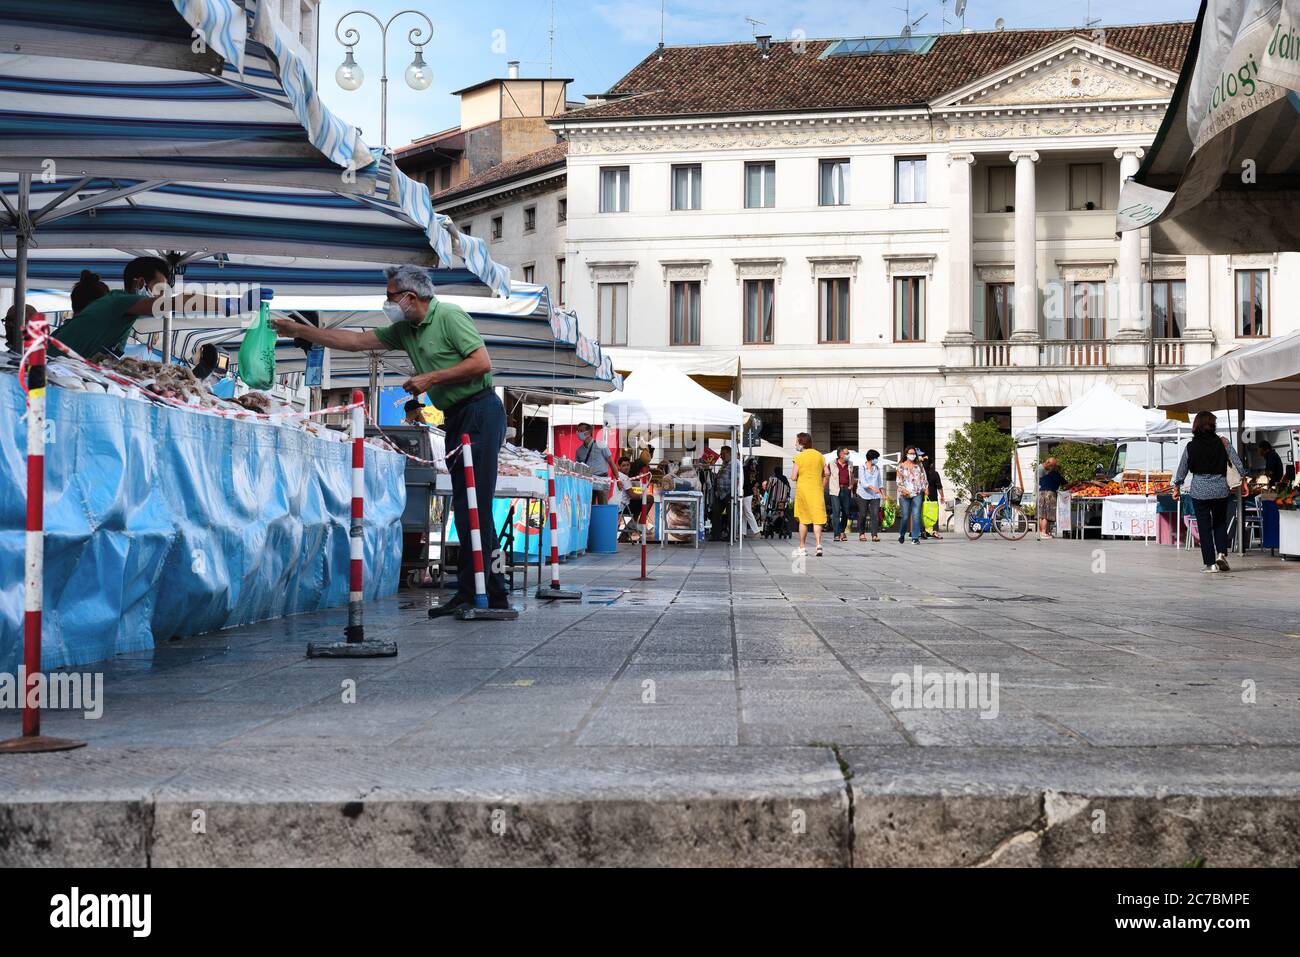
[
  {"x": 840, "y": 486},
  {"x": 871, "y": 484},
  {"x": 811, "y": 475},
  {"x": 911, "y": 496},
  {"x": 749, "y": 487},
  {"x": 1206, "y": 458}
]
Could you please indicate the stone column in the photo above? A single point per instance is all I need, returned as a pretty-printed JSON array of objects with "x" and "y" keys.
[
  {"x": 1024, "y": 335},
  {"x": 871, "y": 428},
  {"x": 794, "y": 419},
  {"x": 947, "y": 420},
  {"x": 1022, "y": 417},
  {"x": 957, "y": 343},
  {"x": 1132, "y": 334},
  {"x": 1198, "y": 336}
]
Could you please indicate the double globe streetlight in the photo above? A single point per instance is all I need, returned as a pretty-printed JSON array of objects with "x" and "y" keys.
[{"x": 350, "y": 76}]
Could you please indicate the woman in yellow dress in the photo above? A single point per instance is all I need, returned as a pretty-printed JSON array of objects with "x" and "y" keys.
[{"x": 810, "y": 475}]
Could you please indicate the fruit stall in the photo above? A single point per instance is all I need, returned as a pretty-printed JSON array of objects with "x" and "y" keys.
[
  {"x": 1287, "y": 502},
  {"x": 1132, "y": 506}
]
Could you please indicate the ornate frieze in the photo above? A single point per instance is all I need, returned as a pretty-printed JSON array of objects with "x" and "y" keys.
[
  {"x": 909, "y": 264},
  {"x": 685, "y": 270},
  {"x": 759, "y": 268},
  {"x": 834, "y": 267},
  {"x": 1085, "y": 270},
  {"x": 610, "y": 271},
  {"x": 995, "y": 272}
]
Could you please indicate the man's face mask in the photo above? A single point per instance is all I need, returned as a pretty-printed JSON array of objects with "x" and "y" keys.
[
  {"x": 583, "y": 436},
  {"x": 393, "y": 308}
]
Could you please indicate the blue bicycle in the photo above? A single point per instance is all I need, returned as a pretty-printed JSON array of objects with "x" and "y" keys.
[{"x": 1005, "y": 516}]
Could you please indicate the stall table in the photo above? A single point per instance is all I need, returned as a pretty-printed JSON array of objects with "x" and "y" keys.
[{"x": 694, "y": 503}]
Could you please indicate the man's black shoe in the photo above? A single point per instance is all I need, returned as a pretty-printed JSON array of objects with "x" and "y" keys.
[{"x": 448, "y": 607}]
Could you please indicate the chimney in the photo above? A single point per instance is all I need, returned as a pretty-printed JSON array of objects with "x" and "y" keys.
[
  {"x": 764, "y": 44},
  {"x": 512, "y": 70}
]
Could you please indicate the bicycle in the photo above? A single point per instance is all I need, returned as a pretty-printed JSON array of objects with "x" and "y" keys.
[{"x": 1005, "y": 517}]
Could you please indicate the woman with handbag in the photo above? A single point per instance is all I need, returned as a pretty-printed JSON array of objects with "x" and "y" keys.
[
  {"x": 911, "y": 496},
  {"x": 1208, "y": 459}
]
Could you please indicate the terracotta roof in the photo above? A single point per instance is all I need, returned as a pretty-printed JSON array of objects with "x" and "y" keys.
[
  {"x": 733, "y": 78},
  {"x": 502, "y": 173}
]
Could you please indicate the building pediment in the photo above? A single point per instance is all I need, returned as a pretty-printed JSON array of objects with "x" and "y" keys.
[{"x": 1072, "y": 72}]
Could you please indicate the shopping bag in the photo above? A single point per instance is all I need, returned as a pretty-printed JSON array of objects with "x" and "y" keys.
[
  {"x": 930, "y": 515},
  {"x": 257, "y": 353}
]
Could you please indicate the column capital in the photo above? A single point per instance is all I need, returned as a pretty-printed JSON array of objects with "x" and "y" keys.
[
  {"x": 1018, "y": 155},
  {"x": 968, "y": 158},
  {"x": 1135, "y": 151}
]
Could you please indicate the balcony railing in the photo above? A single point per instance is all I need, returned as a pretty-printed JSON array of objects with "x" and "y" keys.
[
  {"x": 1170, "y": 352},
  {"x": 1073, "y": 353},
  {"x": 992, "y": 355}
]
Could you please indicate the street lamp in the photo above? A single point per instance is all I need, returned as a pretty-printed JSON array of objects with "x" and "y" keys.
[{"x": 350, "y": 76}]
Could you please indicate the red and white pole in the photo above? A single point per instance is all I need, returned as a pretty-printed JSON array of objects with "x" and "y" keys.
[
  {"x": 475, "y": 536},
  {"x": 554, "y": 512},
  {"x": 553, "y": 590},
  {"x": 355, "y": 631},
  {"x": 37, "y": 331},
  {"x": 34, "y": 583}
]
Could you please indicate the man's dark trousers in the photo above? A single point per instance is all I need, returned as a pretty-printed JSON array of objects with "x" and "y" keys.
[{"x": 484, "y": 419}]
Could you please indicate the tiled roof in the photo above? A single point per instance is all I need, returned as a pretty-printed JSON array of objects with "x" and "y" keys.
[
  {"x": 734, "y": 78},
  {"x": 502, "y": 173}
]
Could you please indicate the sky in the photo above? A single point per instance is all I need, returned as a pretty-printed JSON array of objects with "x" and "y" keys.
[{"x": 598, "y": 41}]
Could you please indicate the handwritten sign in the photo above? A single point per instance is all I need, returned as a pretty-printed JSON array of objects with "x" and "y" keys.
[{"x": 1128, "y": 516}]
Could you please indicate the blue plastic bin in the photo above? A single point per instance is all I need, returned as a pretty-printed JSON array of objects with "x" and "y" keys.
[{"x": 603, "y": 536}]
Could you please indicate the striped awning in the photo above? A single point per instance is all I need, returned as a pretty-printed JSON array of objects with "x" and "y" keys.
[
  {"x": 532, "y": 344},
  {"x": 110, "y": 97}
]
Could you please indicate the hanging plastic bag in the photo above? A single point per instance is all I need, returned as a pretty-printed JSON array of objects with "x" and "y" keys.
[{"x": 257, "y": 352}]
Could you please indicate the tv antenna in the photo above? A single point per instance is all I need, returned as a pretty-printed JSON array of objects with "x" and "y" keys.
[
  {"x": 661, "y": 30},
  {"x": 754, "y": 25},
  {"x": 908, "y": 22},
  {"x": 961, "y": 12}
]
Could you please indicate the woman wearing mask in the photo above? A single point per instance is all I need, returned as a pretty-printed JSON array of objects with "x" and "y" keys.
[
  {"x": 811, "y": 475},
  {"x": 871, "y": 482},
  {"x": 911, "y": 496},
  {"x": 1206, "y": 458}
]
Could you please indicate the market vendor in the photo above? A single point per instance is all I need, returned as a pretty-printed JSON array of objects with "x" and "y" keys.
[
  {"x": 104, "y": 324},
  {"x": 592, "y": 452},
  {"x": 453, "y": 369}
]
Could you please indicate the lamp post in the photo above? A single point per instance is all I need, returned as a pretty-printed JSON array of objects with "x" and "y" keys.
[{"x": 350, "y": 76}]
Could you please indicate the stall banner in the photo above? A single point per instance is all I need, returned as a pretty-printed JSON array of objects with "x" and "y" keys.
[
  {"x": 1064, "y": 514},
  {"x": 162, "y": 522},
  {"x": 1124, "y": 516}
]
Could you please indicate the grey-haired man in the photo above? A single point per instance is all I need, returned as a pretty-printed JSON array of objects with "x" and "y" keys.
[{"x": 453, "y": 368}]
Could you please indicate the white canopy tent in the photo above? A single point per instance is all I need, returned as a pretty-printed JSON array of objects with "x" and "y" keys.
[
  {"x": 1262, "y": 377},
  {"x": 1102, "y": 416},
  {"x": 665, "y": 400}
]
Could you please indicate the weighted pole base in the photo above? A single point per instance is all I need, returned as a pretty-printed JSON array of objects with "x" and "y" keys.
[
  {"x": 38, "y": 744},
  {"x": 352, "y": 649},
  {"x": 561, "y": 594},
  {"x": 470, "y": 613}
]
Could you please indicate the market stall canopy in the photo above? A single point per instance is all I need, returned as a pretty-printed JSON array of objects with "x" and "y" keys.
[
  {"x": 1101, "y": 415},
  {"x": 1223, "y": 175},
  {"x": 531, "y": 345},
  {"x": 716, "y": 371},
  {"x": 300, "y": 277},
  {"x": 1264, "y": 376},
  {"x": 767, "y": 450},
  {"x": 90, "y": 105},
  {"x": 655, "y": 397}
]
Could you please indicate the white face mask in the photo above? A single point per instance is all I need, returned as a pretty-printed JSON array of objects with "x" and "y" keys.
[
  {"x": 393, "y": 311},
  {"x": 911, "y": 458}
]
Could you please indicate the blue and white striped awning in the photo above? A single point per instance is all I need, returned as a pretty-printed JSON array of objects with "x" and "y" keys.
[
  {"x": 111, "y": 96},
  {"x": 532, "y": 344}
]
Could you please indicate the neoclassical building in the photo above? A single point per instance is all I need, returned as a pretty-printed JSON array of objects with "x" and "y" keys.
[{"x": 897, "y": 236}]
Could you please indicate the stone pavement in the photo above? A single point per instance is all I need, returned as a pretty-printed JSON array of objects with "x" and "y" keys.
[{"x": 736, "y": 709}]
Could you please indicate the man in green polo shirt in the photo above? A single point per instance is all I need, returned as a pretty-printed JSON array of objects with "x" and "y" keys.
[{"x": 452, "y": 367}]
